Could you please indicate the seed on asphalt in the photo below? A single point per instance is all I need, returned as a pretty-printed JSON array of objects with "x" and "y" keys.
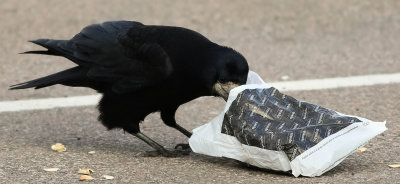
[
  {"x": 85, "y": 178},
  {"x": 58, "y": 147},
  {"x": 85, "y": 171},
  {"x": 51, "y": 169}
]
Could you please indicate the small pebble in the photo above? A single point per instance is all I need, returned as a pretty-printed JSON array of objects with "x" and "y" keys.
[
  {"x": 92, "y": 152},
  {"x": 285, "y": 77}
]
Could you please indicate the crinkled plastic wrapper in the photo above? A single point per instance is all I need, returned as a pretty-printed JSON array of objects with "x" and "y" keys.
[{"x": 268, "y": 129}]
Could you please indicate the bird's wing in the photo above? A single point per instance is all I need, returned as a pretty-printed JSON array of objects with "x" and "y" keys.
[{"x": 112, "y": 56}]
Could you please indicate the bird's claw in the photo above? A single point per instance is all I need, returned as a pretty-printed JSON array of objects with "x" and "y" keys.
[
  {"x": 180, "y": 150},
  {"x": 183, "y": 147},
  {"x": 175, "y": 152}
]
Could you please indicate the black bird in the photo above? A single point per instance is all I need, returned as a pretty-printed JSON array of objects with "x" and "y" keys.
[{"x": 141, "y": 69}]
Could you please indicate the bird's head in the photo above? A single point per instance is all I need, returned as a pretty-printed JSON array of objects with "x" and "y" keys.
[{"x": 232, "y": 70}]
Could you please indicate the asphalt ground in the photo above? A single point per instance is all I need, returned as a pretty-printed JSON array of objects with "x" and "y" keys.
[{"x": 298, "y": 39}]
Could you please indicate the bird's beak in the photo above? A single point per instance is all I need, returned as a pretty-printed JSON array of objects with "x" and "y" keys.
[{"x": 223, "y": 89}]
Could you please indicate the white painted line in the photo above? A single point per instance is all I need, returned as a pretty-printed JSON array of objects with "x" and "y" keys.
[
  {"x": 339, "y": 82},
  {"x": 48, "y": 103},
  {"x": 313, "y": 84}
]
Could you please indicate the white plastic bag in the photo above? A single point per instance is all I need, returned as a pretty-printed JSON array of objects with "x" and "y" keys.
[{"x": 268, "y": 129}]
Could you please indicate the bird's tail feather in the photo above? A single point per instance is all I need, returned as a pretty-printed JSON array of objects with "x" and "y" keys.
[
  {"x": 53, "y": 47},
  {"x": 57, "y": 78},
  {"x": 44, "y": 52}
]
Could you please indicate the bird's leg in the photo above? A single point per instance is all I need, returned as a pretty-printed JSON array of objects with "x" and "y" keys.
[
  {"x": 160, "y": 149},
  {"x": 183, "y": 130},
  {"x": 150, "y": 142},
  {"x": 168, "y": 117}
]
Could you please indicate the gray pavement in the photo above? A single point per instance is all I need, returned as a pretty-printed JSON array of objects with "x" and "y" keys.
[{"x": 298, "y": 38}]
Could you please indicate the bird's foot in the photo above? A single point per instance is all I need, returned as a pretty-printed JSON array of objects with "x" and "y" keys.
[
  {"x": 175, "y": 152},
  {"x": 183, "y": 147}
]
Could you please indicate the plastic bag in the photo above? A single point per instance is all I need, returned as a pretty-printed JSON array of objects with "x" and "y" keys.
[{"x": 268, "y": 129}]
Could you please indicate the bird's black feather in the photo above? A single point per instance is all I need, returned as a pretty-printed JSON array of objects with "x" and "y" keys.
[
  {"x": 141, "y": 69},
  {"x": 70, "y": 75}
]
